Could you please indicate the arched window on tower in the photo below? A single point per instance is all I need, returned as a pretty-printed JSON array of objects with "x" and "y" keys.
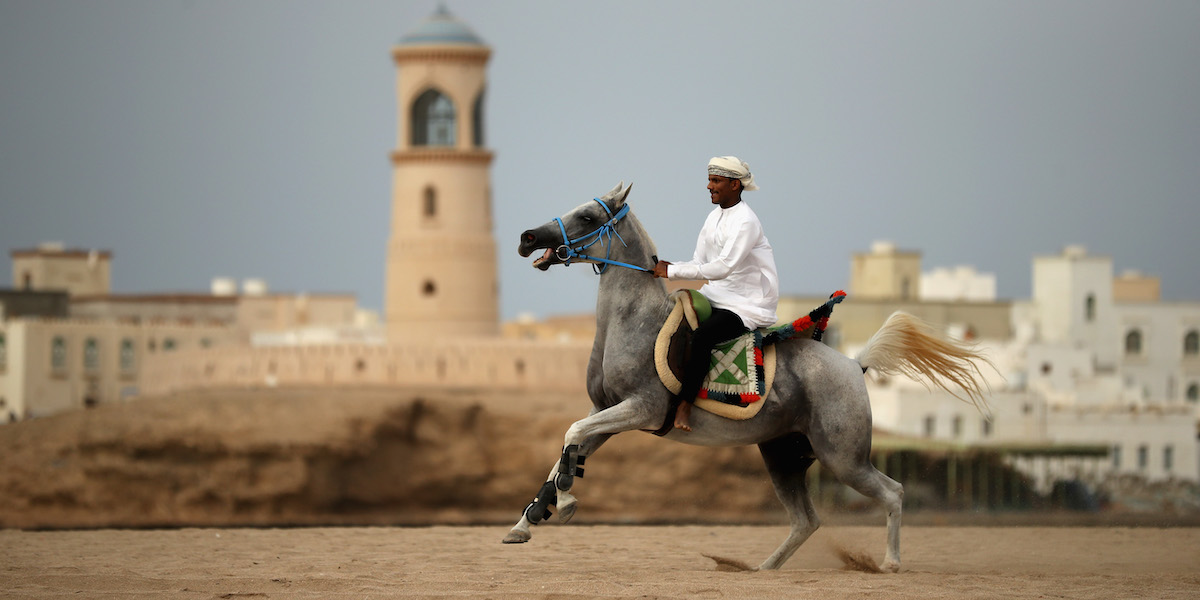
[
  {"x": 477, "y": 121},
  {"x": 1089, "y": 308},
  {"x": 433, "y": 120},
  {"x": 429, "y": 203}
]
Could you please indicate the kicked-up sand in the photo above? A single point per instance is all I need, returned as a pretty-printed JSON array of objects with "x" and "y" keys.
[{"x": 597, "y": 561}]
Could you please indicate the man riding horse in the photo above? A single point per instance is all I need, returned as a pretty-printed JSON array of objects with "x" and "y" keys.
[{"x": 734, "y": 256}]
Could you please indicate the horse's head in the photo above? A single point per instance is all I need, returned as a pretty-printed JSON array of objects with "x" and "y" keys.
[{"x": 574, "y": 236}]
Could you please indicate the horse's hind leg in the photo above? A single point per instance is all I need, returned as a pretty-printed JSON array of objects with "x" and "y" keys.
[
  {"x": 868, "y": 481},
  {"x": 788, "y": 459}
]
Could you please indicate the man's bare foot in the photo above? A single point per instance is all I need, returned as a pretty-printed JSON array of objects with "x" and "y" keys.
[{"x": 682, "y": 414}]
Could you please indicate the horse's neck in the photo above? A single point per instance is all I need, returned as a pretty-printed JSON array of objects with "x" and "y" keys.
[
  {"x": 627, "y": 295},
  {"x": 627, "y": 292}
]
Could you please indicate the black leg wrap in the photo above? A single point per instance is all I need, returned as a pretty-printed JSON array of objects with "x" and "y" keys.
[
  {"x": 539, "y": 509},
  {"x": 568, "y": 468}
]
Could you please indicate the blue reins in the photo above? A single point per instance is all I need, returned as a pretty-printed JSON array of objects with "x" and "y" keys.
[{"x": 604, "y": 234}]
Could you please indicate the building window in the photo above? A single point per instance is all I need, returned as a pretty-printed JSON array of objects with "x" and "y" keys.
[
  {"x": 168, "y": 344},
  {"x": 1191, "y": 343},
  {"x": 429, "y": 208},
  {"x": 433, "y": 120},
  {"x": 1168, "y": 458},
  {"x": 1089, "y": 308},
  {"x": 91, "y": 355},
  {"x": 930, "y": 425},
  {"x": 477, "y": 121},
  {"x": 1193, "y": 393},
  {"x": 1133, "y": 342},
  {"x": 1116, "y": 455},
  {"x": 429, "y": 288},
  {"x": 27, "y": 280},
  {"x": 905, "y": 288},
  {"x": 3, "y": 353},
  {"x": 58, "y": 353},
  {"x": 956, "y": 426},
  {"x": 986, "y": 428},
  {"x": 1143, "y": 456},
  {"x": 127, "y": 355}
]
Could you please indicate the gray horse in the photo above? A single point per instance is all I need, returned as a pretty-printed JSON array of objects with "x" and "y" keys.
[{"x": 817, "y": 408}]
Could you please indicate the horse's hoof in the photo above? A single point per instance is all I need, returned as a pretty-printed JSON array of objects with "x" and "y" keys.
[
  {"x": 890, "y": 566},
  {"x": 566, "y": 512},
  {"x": 516, "y": 536}
]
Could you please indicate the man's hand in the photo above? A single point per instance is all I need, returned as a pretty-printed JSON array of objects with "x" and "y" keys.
[{"x": 660, "y": 269}]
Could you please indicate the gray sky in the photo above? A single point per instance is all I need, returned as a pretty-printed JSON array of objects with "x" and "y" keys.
[{"x": 250, "y": 139}]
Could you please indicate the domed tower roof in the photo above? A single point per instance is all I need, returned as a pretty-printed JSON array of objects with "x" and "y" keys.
[{"x": 441, "y": 28}]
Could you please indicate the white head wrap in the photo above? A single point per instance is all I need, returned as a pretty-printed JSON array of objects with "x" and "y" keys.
[{"x": 733, "y": 168}]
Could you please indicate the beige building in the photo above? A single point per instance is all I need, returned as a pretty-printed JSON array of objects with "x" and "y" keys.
[
  {"x": 53, "y": 267},
  {"x": 51, "y": 365},
  {"x": 183, "y": 308},
  {"x": 885, "y": 273},
  {"x": 557, "y": 328},
  {"x": 1132, "y": 286},
  {"x": 441, "y": 257},
  {"x": 66, "y": 342},
  {"x": 283, "y": 312}
]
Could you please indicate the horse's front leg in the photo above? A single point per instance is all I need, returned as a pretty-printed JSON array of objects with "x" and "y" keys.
[{"x": 582, "y": 439}]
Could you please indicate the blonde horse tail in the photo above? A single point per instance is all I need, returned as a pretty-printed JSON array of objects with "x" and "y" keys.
[{"x": 908, "y": 346}]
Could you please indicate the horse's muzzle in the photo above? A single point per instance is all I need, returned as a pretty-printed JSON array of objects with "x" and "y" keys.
[{"x": 528, "y": 243}]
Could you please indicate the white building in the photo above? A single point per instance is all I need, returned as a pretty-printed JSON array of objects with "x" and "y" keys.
[
  {"x": 962, "y": 283},
  {"x": 1094, "y": 360}
]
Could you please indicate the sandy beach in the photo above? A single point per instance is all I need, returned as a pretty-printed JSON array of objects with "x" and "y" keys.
[{"x": 608, "y": 561}]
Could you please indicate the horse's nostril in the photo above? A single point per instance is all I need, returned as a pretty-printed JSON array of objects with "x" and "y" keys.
[{"x": 528, "y": 237}]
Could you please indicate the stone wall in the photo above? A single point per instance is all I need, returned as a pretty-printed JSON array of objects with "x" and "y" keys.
[{"x": 482, "y": 364}]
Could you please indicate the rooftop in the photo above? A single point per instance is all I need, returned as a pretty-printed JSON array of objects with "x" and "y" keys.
[{"x": 441, "y": 28}]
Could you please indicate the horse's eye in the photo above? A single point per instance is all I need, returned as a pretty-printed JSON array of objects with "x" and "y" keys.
[{"x": 587, "y": 219}]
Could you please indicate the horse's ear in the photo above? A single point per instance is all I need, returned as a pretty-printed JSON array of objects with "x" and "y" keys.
[
  {"x": 613, "y": 193},
  {"x": 620, "y": 196}
]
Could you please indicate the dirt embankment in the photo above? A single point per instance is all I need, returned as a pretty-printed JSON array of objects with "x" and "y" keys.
[{"x": 278, "y": 457}]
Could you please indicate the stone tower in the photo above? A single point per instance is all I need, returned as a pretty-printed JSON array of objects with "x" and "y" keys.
[{"x": 441, "y": 257}]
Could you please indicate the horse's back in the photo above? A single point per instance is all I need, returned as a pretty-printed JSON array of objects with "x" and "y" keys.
[{"x": 823, "y": 386}]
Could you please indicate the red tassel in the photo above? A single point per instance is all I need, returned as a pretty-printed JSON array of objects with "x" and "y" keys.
[{"x": 822, "y": 324}]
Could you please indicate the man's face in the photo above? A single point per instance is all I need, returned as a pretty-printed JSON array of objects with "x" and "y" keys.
[{"x": 723, "y": 190}]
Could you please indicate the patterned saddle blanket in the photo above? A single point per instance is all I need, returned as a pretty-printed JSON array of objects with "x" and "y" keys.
[{"x": 742, "y": 369}]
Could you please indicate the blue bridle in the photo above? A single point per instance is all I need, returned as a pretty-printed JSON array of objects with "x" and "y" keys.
[{"x": 603, "y": 234}]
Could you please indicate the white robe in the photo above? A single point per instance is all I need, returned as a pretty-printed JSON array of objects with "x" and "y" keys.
[{"x": 733, "y": 254}]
